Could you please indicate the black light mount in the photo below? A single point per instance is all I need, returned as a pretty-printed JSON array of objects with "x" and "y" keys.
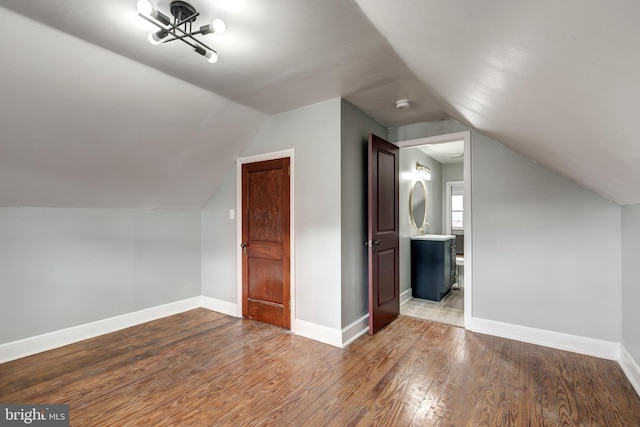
[
  {"x": 184, "y": 15},
  {"x": 181, "y": 10}
]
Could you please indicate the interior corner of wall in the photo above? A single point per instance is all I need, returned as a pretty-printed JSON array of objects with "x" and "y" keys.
[
  {"x": 317, "y": 332},
  {"x": 631, "y": 368}
]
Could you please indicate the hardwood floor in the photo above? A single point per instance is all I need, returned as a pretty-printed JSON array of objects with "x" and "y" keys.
[{"x": 201, "y": 368}]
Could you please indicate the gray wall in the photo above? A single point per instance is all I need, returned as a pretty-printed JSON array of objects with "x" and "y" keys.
[
  {"x": 66, "y": 267},
  {"x": 408, "y": 159},
  {"x": 355, "y": 129},
  {"x": 219, "y": 250},
  {"x": 314, "y": 134},
  {"x": 425, "y": 129},
  {"x": 546, "y": 252},
  {"x": 631, "y": 280},
  {"x": 452, "y": 172}
]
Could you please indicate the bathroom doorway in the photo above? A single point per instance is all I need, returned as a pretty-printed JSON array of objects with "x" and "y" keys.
[{"x": 442, "y": 164}]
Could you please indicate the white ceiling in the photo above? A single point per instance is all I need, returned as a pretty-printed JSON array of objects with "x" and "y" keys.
[
  {"x": 446, "y": 152},
  {"x": 93, "y": 115},
  {"x": 557, "y": 81}
]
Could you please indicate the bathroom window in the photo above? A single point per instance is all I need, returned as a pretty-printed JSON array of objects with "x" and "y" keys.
[
  {"x": 454, "y": 207},
  {"x": 457, "y": 212}
]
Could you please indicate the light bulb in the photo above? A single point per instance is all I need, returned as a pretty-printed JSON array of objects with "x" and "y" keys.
[
  {"x": 144, "y": 7},
  {"x": 211, "y": 56},
  {"x": 155, "y": 37},
  {"x": 219, "y": 26}
]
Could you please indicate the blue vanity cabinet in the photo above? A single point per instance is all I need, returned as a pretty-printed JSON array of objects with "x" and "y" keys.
[{"x": 433, "y": 266}]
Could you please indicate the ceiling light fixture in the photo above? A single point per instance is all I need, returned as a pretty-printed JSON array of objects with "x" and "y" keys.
[
  {"x": 180, "y": 29},
  {"x": 402, "y": 104}
]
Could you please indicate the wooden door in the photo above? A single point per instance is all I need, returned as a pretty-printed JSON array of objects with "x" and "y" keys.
[
  {"x": 383, "y": 233},
  {"x": 265, "y": 242}
]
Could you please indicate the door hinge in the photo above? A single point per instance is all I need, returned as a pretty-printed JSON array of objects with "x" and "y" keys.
[
  {"x": 289, "y": 170},
  {"x": 289, "y": 305}
]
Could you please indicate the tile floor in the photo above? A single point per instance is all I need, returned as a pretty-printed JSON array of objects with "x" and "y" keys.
[{"x": 450, "y": 310}]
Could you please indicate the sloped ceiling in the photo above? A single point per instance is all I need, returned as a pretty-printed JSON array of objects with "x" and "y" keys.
[
  {"x": 83, "y": 127},
  {"x": 92, "y": 115},
  {"x": 557, "y": 81}
]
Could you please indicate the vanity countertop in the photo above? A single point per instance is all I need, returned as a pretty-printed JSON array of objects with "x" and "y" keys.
[{"x": 439, "y": 237}]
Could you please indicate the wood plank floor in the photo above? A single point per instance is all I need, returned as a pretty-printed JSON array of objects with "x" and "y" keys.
[{"x": 201, "y": 368}]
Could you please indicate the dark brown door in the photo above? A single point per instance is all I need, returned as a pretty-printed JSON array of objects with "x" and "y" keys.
[
  {"x": 265, "y": 242},
  {"x": 383, "y": 243}
]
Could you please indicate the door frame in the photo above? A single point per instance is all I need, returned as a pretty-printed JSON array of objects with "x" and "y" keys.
[
  {"x": 468, "y": 206},
  {"x": 253, "y": 159}
]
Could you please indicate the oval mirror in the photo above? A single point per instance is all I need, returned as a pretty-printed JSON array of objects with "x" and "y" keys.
[{"x": 418, "y": 205}]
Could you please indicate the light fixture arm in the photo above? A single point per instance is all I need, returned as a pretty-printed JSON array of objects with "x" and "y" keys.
[
  {"x": 171, "y": 30},
  {"x": 195, "y": 33}
]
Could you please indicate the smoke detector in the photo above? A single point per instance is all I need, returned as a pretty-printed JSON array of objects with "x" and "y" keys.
[{"x": 402, "y": 104}]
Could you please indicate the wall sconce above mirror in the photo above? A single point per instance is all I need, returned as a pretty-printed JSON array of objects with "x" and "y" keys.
[{"x": 423, "y": 172}]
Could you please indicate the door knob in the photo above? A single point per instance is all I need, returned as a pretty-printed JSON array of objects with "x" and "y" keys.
[
  {"x": 373, "y": 244},
  {"x": 244, "y": 245}
]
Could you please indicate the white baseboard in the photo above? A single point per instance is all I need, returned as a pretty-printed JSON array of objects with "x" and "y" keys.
[
  {"x": 338, "y": 338},
  {"x": 355, "y": 330},
  {"x": 405, "y": 296},
  {"x": 39, "y": 343},
  {"x": 220, "y": 306},
  {"x": 318, "y": 333},
  {"x": 561, "y": 341},
  {"x": 589, "y": 346},
  {"x": 630, "y": 368},
  {"x": 299, "y": 327}
]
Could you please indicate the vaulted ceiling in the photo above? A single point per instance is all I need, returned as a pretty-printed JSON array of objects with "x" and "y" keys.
[{"x": 92, "y": 115}]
